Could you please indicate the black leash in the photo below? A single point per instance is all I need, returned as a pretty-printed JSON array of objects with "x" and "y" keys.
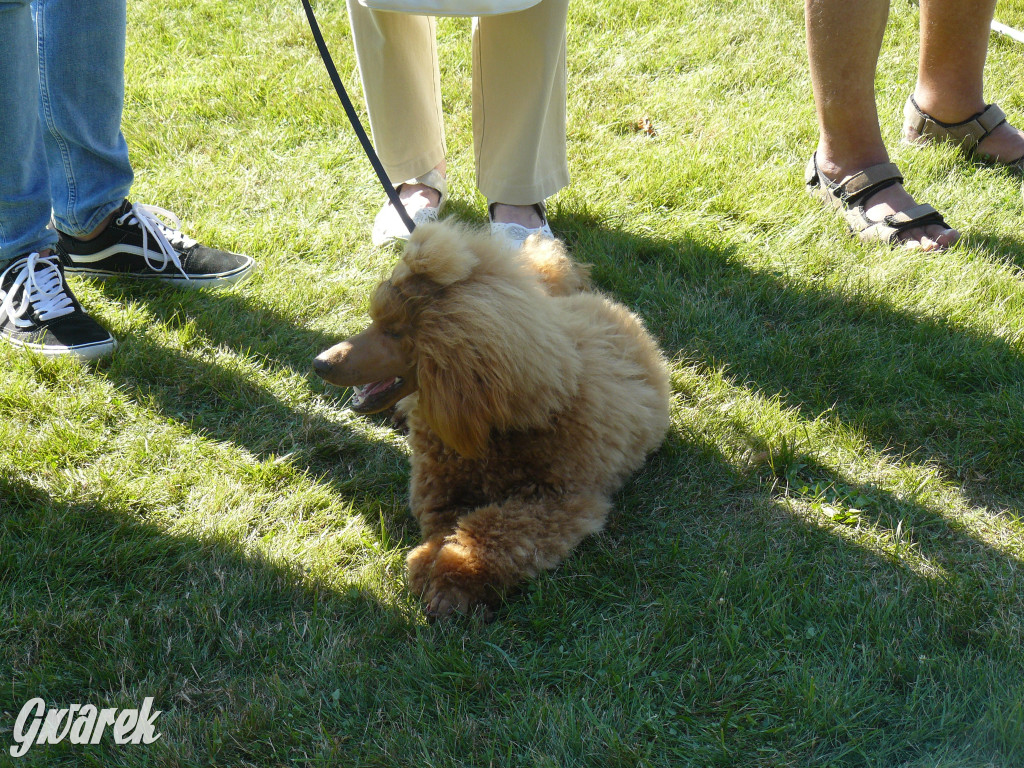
[{"x": 353, "y": 118}]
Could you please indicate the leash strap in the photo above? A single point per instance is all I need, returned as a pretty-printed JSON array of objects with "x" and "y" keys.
[{"x": 353, "y": 118}]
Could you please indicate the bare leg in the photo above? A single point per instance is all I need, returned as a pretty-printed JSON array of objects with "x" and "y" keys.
[
  {"x": 843, "y": 43},
  {"x": 526, "y": 215},
  {"x": 954, "y": 43},
  {"x": 417, "y": 196},
  {"x": 496, "y": 547}
]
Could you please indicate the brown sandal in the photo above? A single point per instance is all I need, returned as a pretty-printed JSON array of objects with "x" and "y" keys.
[
  {"x": 920, "y": 128},
  {"x": 849, "y": 195}
]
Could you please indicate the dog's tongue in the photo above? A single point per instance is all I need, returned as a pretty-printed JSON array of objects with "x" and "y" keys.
[{"x": 375, "y": 387}]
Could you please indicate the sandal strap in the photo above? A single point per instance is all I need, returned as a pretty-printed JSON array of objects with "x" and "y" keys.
[
  {"x": 863, "y": 184},
  {"x": 968, "y": 134},
  {"x": 853, "y": 189},
  {"x": 918, "y": 216},
  {"x": 892, "y": 226}
]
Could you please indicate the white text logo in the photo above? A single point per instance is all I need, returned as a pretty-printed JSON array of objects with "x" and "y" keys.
[{"x": 82, "y": 725}]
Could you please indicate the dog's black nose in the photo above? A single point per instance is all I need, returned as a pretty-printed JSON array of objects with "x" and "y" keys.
[{"x": 321, "y": 366}]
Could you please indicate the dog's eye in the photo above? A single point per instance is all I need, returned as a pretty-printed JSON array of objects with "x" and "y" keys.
[{"x": 393, "y": 334}]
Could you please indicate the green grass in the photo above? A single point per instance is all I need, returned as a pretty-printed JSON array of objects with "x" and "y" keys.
[{"x": 824, "y": 565}]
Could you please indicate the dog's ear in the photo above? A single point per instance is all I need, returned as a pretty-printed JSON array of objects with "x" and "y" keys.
[
  {"x": 442, "y": 253},
  {"x": 453, "y": 408},
  {"x": 489, "y": 365}
]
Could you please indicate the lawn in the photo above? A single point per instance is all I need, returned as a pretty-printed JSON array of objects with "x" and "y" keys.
[{"x": 823, "y": 565}]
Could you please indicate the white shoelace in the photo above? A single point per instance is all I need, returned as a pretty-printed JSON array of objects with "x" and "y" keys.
[
  {"x": 166, "y": 235},
  {"x": 41, "y": 287}
]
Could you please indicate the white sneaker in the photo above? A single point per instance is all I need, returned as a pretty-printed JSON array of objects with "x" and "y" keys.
[
  {"x": 39, "y": 312},
  {"x": 389, "y": 227},
  {"x": 145, "y": 242},
  {"x": 516, "y": 234}
]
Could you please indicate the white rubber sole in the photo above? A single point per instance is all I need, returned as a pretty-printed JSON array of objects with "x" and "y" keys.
[
  {"x": 218, "y": 280},
  {"x": 85, "y": 353}
]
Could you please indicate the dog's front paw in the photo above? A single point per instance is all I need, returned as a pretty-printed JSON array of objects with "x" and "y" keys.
[
  {"x": 419, "y": 563},
  {"x": 458, "y": 583},
  {"x": 451, "y": 600}
]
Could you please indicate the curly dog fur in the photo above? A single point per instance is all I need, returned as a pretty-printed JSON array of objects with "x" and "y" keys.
[{"x": 529, "y": 397}]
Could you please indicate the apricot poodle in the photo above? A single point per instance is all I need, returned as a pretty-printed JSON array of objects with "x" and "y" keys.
[{"x": 529, "y": 397}]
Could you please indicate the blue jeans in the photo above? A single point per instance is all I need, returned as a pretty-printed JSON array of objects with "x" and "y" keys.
[{"x": 61, "y": 98}]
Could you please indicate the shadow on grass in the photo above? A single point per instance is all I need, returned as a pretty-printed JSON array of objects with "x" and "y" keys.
[
  {"x": 801, "y": 634},
  {"x": 220, "y": 399},
  {"x": 707, "y": 625},
  {"x": 944, "y": 606},
  {"x": 915, "y": 386},
  {"x": 100, "y": 607}
]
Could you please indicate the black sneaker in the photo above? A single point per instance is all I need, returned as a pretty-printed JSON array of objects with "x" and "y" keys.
[
  {"x": 143, "y": 241},
  {"x": 39, "y": 312}
]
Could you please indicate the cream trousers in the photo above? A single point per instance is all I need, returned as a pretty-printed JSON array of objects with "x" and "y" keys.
[{"x": 518, "y": 97}]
